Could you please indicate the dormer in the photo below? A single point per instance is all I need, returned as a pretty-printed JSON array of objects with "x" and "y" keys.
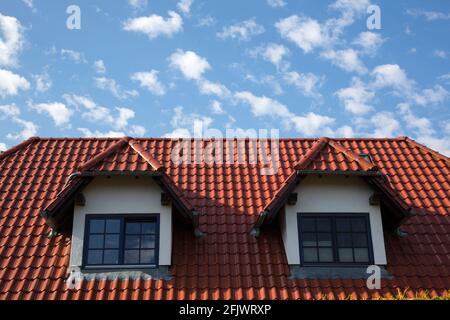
[
  {"x": 333, "y": 211},
  {"x": 118, "y": 208}
]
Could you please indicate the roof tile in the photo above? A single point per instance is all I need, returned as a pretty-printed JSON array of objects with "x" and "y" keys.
[{"x": 227, "y": 263}]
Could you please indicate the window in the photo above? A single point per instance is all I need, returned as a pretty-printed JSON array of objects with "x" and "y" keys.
[
  {"x": 117, "y": 240},
  {"x": 334, "y": 239}
]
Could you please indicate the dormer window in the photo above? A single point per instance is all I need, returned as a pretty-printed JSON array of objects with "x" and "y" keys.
[
  {"x": 121, "y": 240},
  {"x": 335, "y": 239}
]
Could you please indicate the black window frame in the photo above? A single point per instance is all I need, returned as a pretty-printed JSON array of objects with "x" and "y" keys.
[
  {"x": 123, "y": 219},
  {"x": 334, "y": 232}
]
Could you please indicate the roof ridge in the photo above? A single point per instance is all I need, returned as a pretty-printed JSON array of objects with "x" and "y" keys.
[
  {"x": 21, "y": 145},
  {"x": 366, "y": 165},
  {"x": 426, "y": 149},
  {"x": 312, "y": 153},
  {"x": 102, "y": 155},
  {"x": 144, "y": 154}
]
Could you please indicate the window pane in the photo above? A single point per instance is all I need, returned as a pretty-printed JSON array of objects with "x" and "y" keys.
[
  {"x": 346, "y": 255},
  {"x": 361, "y": 255},
  {"x": 309, "y": 240},
  {"x": 344, "y": 239},
  {"x": 112, "y": 241},
  {"x": 96, "y": 241},
  {"x": 131, "y": 257},
  {"x": 325, "y": 254},
  {"x": 148, "y": 228},
  {"x": 148, "y": 242},
  {"x": 308, "y": 224},
  {"x": 148, "y": 256},
  {"x": 323, "y": 224},
  {"x": 358, "y": 225},
  {"x": 359, "y": 240},
  {"x": 111, "y": 257},
  {"x": 94, "y": 256},
  {"x": 97, "y": 226},
  {"x": 310, "y": 254},
  {"x": 132, "y": 242},
  {"x": 133, "y": 228},
  {"x": 324, "y": 239},
  {"x": 343, "y": 225},
  {"x": 113, "y": 226}
]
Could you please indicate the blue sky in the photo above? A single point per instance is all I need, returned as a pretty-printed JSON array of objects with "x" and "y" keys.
[{"x": 154, "y": 68}]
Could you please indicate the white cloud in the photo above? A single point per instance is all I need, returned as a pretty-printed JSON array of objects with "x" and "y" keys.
[
  {"x": 154, "y": 26},
  {"x": 272, "y": 52},
  {"x": 422, "y": 126},
  {"x": 207, "y": 87},
  {"x": 184, "y": 123},
  {"x": 137, "y": 4},
  {"x": 11, "y": 83},
  {"x": 136, "y": 130},
  {"x": 385, "y": 125},
  {"x": 424, "y": 130},
  {"x": 216, "y": 107},
  {"x": 42, "y": 82},
  {"x": 440, "y": 54},
  {"x": 357, "y": 97},
  {"x": 263, "y": 106},
  {"x": 393, "y": 76},
  {"x": 98, "y": 134},
  {"x": 189, "y": 63},
  {"x": 344, "y": 132},
  {"x": 59, "y": 112},
  {"x": 124, "y": 116},
  {"x": 28, "y": 3},
  {"x": 430, "y": 96},
  {"x": 305, "y": 32},
  {"x": 185, "y": 6},
  {"x": 11, "y": 40},
  {"x": 206, "y": 21},
  {"x": 243, "y": 30},
  {"x": 12, "y": 113},
  {"x": 369, "y": 42},
  {"x": 98, "y": 114},
  {"x": 351, "y": 7},
  {"x": 73, "y": 55},
  {"x": 440, "y": 144},
  {"x": 149, "y": 80},
  {"x": 312, "y": 124},
  {"x": 308, "y": 33},
  {"x": 276, "y": 3},
  {"x": 9, "y": 111},
  {"x": 347, "y": 60},
  {"x": 445, "y": 77},
  {"x": 268, "y": 80},
  {"x": 3, "y": 147},
  {"x": 112, "y": 86},
  {"x": 99, "y": 66},
  {"x": 29, "y": 129},
  {"x": 307, "y": 83},
  {"x": 429, "y": 15}
]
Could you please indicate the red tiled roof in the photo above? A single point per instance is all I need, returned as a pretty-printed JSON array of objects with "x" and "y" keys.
[{"x": 228, "y": 263}]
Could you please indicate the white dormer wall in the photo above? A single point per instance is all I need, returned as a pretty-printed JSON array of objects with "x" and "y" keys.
[
  {"x": 332, "y": 194},
  {"x": 122, "y": 195}
]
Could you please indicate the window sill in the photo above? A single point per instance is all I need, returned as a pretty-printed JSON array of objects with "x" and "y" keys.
[
  {"x": 123, "y": 272},
  {"x": 334, "y": 272}
]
